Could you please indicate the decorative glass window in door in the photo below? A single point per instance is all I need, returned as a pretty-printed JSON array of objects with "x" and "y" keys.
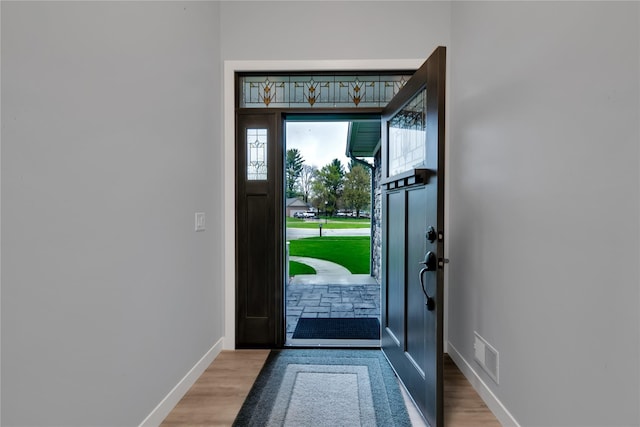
[
  {"x": 257, "y": 154},
  {"x": 407, "y": 136}
]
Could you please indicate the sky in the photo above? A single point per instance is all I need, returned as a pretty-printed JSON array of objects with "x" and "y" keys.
[{"x": 319, "y": 142}]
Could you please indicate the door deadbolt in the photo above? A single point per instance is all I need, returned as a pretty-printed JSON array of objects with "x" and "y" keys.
[{"x": 431, "y": 234}]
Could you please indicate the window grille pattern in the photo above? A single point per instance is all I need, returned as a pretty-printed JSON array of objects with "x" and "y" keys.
[
  {"x": 320, "y": 91},
  {"x": 257, "y": 154},
  {"x": 407, "y": 136}
]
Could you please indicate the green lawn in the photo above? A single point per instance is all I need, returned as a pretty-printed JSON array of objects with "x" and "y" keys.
[
  {"x": 351, "y": 252},
  {"x": 331, "y": 224},
  {"x": 296, "y": 268}
]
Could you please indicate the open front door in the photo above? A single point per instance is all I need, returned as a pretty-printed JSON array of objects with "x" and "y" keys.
[{"x": 413, "y": 236}]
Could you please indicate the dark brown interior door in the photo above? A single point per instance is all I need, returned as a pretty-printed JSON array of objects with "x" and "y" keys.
[
  {"x": 259, "y": 317},
  {"x": 413, "y": 235}
]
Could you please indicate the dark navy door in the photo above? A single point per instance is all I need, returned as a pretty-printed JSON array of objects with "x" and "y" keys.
[{"x": 413, "y": 235}]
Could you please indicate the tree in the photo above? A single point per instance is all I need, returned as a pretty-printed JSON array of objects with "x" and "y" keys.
[
  {"x": 293, "y": 170},
  {"x": 357, "y": 188},
  {"x": 328, "y": 185},
  {"x": 319, "y": 198},
  {"x": 307, "y": 177}
]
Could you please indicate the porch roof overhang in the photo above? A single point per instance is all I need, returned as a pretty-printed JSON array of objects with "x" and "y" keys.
[{"x": 363, "y": 138}]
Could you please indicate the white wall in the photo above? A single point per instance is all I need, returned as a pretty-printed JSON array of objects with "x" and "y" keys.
[
  {"x": 110, "y": 142},
  {"x": 315, "y": 30},
  {"x": 544, "y": 207},
  {"x": 317, "y": 35}
]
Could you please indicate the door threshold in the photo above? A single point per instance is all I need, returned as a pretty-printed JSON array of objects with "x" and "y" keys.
[{"x": 298, "y": 342}]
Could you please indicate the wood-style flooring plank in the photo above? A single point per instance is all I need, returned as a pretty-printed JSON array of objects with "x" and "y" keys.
[
  {"x": 462, "y": 404},
  {"x": 217, "y": 396}
]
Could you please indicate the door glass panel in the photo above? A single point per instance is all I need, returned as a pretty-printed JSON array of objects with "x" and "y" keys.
[
  {"x": 407, "y": 136},
  {"x": 257, "y": 154}
]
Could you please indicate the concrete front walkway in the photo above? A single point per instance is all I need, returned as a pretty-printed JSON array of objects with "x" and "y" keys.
[
  {"x": 301, "y": 233},
  {"x": 321, "y": 266}
]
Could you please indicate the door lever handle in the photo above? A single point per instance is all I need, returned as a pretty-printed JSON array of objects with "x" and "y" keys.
[
  {"x": 429, "y": 265},
  {"x": 430, "y": 303},
  {"x": 429, "y": 261}
]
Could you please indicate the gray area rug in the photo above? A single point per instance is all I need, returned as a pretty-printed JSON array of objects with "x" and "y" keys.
[{"x": 324, "y": 387}]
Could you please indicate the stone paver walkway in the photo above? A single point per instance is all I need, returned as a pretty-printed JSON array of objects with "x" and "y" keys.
[{"x": 331, "y": 295}]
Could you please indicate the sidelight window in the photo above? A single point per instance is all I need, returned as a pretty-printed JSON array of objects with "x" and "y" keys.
[{"x": 257, "y": 154}]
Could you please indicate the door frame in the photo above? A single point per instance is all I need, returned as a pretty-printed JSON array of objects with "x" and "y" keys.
[{"x": 228, "y": 155}]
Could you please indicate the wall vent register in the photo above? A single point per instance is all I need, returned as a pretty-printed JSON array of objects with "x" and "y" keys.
[{"x": 486, "y": 356}]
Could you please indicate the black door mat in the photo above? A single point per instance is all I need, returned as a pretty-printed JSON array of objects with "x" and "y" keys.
[{"x": 365, "y": 328}]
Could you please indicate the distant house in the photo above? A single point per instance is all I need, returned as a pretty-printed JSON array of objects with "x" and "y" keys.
[{"x": 294, "y": 205}]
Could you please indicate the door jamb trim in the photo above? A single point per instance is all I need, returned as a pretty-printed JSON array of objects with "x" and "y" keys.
[{"x": 228, "y": 154}]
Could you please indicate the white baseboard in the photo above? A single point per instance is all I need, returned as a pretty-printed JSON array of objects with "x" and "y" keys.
[
  {"x": 499, "y": 410},
  {"x": 161, "y": 411}
]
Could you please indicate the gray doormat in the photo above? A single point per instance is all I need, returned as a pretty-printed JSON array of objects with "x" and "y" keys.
[{"x": 363, "y": 328}]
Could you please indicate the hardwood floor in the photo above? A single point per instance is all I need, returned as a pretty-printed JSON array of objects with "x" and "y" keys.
[
  {"x": 216, "y": 398},
  {"x": 462, "y": 404}
]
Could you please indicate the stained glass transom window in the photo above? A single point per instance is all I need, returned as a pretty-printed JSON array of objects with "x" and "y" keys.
[
  {"x": 407, "y": 136},
  {"x": 320, "y": 91},
  {"x": 257, "y": 154}
]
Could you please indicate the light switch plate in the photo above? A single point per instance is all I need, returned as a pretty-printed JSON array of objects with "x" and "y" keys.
[{"x": 199, "y": 221}]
